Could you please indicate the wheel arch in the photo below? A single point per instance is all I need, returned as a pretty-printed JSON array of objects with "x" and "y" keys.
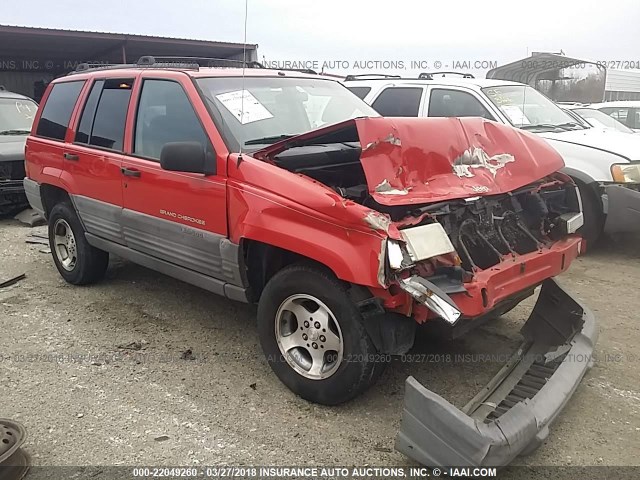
[{"x": 52, "y": 195}]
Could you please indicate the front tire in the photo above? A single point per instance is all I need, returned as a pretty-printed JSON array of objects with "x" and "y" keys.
[
  {"x": 313, "y": 337},
  {"x": 78, "y": 262},
  {"x": 593, "y": 226}
]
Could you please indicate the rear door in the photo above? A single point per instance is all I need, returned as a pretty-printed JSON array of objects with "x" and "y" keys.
[
  {"x": 46, "y": 147},
  {"x": 94, "y": 160},
  {"x": 399, "y": 101},
  {"x": 446, "y": 101},
  {"x": 173, "y": 216}
]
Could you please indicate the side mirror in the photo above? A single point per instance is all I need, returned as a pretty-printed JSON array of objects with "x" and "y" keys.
[{"x": 183, "y": 157}]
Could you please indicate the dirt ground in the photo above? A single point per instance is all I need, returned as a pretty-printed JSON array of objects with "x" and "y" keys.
[{"x": 102, "y": 375}]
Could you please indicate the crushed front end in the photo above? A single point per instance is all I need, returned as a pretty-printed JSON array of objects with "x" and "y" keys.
[
  {"x": 473, "y": 217},
  {"x": 479, "y": 255}
]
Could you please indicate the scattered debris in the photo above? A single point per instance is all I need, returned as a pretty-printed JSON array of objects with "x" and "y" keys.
[
  {"x": 12, "y": 436},
  {"x": 13, "y": 280},
  {"x": 45, "y": 250},
  {"x": 382, "y": 449},
  {"x": 141, "y": 345},
  {"x": 34, "y": 238},
  {"x": 30, "y": 217},
  {"x": 253, "y": 386},
  {"x": 187, "y": 355},
  {"x": 162, "y": 438}
]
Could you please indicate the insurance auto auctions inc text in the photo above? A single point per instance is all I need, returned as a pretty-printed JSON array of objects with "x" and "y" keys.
[{"x": 328, "y": 65}]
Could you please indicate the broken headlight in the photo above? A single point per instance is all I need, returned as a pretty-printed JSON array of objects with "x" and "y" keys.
[{"x": 626, "y": 172}]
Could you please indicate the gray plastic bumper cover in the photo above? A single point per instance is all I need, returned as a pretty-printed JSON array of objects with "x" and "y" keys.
[{"x": 512, "y": 414}]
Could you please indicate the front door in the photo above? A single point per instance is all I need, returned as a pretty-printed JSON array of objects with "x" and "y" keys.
[{"x": 174, "y": 217}]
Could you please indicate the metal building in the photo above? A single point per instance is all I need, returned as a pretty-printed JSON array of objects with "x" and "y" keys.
[
  {"x": 571, "y": 79},
  {"x": 31, "y": 57}
]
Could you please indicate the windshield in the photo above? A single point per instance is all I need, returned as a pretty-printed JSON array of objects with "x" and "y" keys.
[
  {"x": 525, "y": 107},
  {"x": 276, "y": 108},
  {"x": 16, "y": 115},
  {"x": 598, "y": 118}
]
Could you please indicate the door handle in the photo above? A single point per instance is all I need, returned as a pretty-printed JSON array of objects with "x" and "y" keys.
[
  {"x": 130, "y": 172},
  {"x": 71, "y": 156}
]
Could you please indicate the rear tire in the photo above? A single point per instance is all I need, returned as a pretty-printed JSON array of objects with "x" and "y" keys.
[
  {"x": 313, "y": 336},
  {"x": 78, "y": 262}
]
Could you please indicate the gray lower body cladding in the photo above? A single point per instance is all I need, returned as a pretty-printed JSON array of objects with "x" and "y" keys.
[
  {"x": 195, "y": 256},
  {"x": 623, "y": 209},
  {"x": 512, "y": 414},
  {"x": 32, "y": 190}
]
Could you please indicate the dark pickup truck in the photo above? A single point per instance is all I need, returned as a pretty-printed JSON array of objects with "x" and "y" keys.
[{"x": 16, "y": 117}]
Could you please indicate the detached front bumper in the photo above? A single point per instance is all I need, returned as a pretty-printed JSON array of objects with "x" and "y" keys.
[
  {"x": 622, "y": 208},
  {"x": 512, "y": 414}
]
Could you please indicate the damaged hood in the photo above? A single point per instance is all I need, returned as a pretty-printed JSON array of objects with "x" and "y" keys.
[
  {"x": 422, "y": 160},
  {"x": 426, "y": 160}
]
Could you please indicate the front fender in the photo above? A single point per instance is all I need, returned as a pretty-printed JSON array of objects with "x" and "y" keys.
[
  {"x": 353, "y": 256},
  {"x": 296, "y": 214},
  {"x": 586, "y": 163}
]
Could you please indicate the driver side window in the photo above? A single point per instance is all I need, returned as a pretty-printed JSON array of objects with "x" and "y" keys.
[{"x": 165, "y": 115}]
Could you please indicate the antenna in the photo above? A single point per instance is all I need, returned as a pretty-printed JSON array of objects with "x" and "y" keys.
[
  {"x": 244, "y": 66},
  {"x": 524, "y": 104}
]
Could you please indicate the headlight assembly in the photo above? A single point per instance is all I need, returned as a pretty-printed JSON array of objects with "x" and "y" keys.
[{"x": 626, "y": 172}]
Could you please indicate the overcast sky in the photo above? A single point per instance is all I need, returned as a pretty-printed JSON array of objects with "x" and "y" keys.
[{"x": 350, "y": 31}]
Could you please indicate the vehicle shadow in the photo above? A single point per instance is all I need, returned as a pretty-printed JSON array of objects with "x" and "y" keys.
[{"x": 620, "y": 246}]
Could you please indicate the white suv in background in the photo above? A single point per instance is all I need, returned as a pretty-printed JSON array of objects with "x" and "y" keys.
[
  {"x": 625, "y": 111},
  {"x": 604, "y": 163}
]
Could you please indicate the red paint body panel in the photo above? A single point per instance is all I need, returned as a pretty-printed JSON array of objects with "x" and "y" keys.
[
  {"x": 514, "y": 275},
  {"x": 326, "y": 227}
]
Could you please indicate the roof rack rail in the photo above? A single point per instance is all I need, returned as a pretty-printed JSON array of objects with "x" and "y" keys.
[
  {"x": 150, "y": 61},
  {"x": 430, "y": 75},
  {"x": 365, "y": 76}
]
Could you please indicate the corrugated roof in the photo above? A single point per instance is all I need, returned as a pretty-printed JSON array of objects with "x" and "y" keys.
[
  {"x": 56, "y": 51},
  {"x": 54, "y": 31}
]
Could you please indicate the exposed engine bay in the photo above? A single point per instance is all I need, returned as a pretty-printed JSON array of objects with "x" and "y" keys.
[{"x": 483, "y": 229}]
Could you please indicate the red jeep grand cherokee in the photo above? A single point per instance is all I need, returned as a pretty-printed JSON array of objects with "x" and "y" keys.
[{"x": 347, "y": 229}]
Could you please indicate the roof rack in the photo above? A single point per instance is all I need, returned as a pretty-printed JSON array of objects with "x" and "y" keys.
[
  {"x": 365, "y": 76},
  {"x": 149, "y": 61},
  {"x": 430, "y": 75}
]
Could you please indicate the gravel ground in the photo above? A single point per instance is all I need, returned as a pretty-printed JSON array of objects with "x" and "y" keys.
[{"x": 144, "y": 369}]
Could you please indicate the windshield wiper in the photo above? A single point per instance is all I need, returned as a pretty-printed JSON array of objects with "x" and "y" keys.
[
  {"x": 15, "y": 132},
  {"x": 569, "y": 125},
  {"x": 547, "y": 125},
  {"x": 266, "y": 140}
]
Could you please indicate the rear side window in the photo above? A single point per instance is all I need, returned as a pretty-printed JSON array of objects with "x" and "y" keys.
[
  {"x": 57, "y": 111},
  {"x": 398, "y": 102},
  {"x": 360, "y": 91},
  {"x": 454, "y": 103},
  {"x": 103, "y": 119},
  {"x": 165, "y": 115}
]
